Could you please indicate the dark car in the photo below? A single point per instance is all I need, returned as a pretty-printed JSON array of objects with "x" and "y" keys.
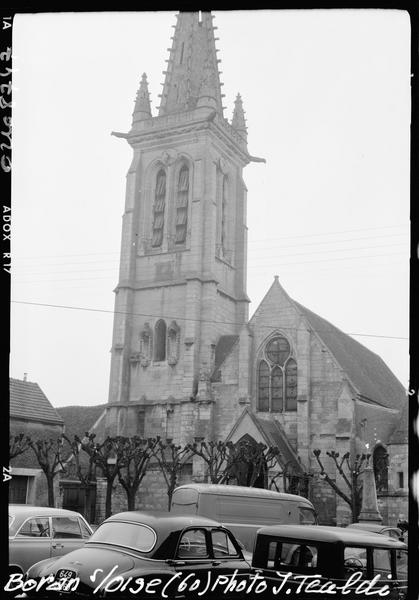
[
  {"x": 318, "y": 561},
  {"x": 37, "y": 532},
  {"x": 134, "y": 554},
  {"x": 393, "y": 532}
]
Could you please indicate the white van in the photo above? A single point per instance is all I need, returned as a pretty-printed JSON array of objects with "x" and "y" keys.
[{"x": 242, "y": 509}]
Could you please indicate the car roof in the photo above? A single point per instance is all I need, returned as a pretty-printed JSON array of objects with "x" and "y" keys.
[
  {"x": 241, "y": 490},
  {"x": 163, "y": 521},
  {"x": 376, "y": 527},
  {"x": 27, "y": 510},
  {"x": 323, "y": 533}
]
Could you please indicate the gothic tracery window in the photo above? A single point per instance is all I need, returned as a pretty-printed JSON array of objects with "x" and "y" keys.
[
  {"x": 160, "y": 341},
  {"x": 158, "y": 209},
  {"x": 277, "y": 377},
  {"x": 182, "y": 198},
  {"x": 224, "y": 200}
]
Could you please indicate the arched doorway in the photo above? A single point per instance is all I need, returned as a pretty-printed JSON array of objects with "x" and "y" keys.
[{"x": 251, "y": 469}]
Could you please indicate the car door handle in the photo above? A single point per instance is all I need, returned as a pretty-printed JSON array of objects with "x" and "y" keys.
[
  {"x": 58, "y": 545},
  {"x": 215, "y": 563}
]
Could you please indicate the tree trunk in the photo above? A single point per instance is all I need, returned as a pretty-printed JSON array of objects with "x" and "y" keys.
[
  {"x": 108, "y": 501},
  {"x": 131, "y": 498},
  {"x": 50, "y": 484}
]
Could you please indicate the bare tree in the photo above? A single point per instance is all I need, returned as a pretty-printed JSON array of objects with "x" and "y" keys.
[
  {"x": 18, "y": 444},
  {"x": 49, "y": 456},
  {"x": 218, "y": 456},
  {"x": 171, "y": 460},
  {"x": 134, "y": 456},
  {"x": 105, "y": 456},
  {"x": 350, "y": 470}
]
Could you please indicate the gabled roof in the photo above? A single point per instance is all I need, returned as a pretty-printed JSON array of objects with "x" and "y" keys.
[
  {"x": 401, "y": 433},
  {"x": 365, "y": 369},
  {"x": 28, "y": 401},
  {"x": 272, "y": 434}
]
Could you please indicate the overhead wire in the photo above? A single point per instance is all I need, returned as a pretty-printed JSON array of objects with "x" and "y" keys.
[{"x": 182, "y": 318}]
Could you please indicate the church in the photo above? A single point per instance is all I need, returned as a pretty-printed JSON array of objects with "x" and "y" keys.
[{"x": 187, "y": 363}]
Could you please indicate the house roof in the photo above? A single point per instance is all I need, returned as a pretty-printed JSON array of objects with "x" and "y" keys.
[
  {"x": 365, "y": 369},
  {"x": 28, "y": 401},
  {"x": 400, "y": 434}
]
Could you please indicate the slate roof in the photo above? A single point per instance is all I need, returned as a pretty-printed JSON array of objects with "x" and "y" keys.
[
  {"x": 222, "y": 349},
  {"x": 28, "y": 401},
  {"x": 276, "y": 436},
  {"x": 401, "y": 433},
  {"x": 365, "y": 369}
]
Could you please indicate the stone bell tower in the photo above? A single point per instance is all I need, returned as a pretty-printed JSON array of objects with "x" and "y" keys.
[{"x": 182, "y": 277}]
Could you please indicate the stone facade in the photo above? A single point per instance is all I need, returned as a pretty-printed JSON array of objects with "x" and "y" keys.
[{"x": 186, "y": 362}]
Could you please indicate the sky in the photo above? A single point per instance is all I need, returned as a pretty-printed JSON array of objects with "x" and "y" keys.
[{"x": 327, "y": 101}]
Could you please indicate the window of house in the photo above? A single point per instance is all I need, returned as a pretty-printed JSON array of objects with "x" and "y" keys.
[
  {"x": 158, "y": 209},
  {"x": 182, "y": 206},
  {"x": 18, "y": 489},
  {"x": 277, "y": 377},
  {"x": 160, "y": 341}
]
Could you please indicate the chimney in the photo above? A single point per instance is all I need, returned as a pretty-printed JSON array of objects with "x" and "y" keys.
[{"x": 25, "y": 377}]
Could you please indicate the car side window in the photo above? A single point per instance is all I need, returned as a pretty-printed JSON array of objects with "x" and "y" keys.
[
  {"x": 193, "y": 544},
  {"x": 222, "y": 546},
  {"x": 382, "y": 562},
  {"x": 37, "y": 527},
  {"x": 401, "y": 564},
  {"x": 66, "y": 527},
  {"x": 355, "y": 560},
  {"x": 84, "y": 530},
  {"x": 292, "y": 557}
]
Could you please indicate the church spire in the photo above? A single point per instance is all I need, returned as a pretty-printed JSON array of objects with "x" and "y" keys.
[
  {"x": 192, "y": 70},
  {"x": 239, "y": 122},
  {"x": 142, "y": 109}
]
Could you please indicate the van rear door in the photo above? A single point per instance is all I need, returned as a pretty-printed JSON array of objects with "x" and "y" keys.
[{"x": 184, "y": 501}]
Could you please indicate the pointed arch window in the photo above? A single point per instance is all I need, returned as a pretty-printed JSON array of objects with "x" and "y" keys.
[
  {"x": 277, "y": 377},
  {"x": 291, "y": 385},
  {"x": 173, "y": 335},
  {"x": 158, "y": 209},
  {"x": 182, "y": 199},
  {"x": 160, "y": 341},
  {"x": 277, "y": 390},
  {"x": 146, "y": 336},
  {"x": 224, "y": 201},
  {"x": 263, "y": 386}
]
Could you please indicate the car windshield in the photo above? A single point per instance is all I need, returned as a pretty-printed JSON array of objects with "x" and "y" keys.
[{"x": 130, "y": 535}]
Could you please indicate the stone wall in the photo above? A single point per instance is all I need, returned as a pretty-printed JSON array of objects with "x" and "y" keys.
[{"x": 151, "y": 495}]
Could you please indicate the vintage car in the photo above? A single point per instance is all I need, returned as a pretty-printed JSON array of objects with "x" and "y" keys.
[
  {"x": 393, "y": 532},
  {"x": 135, "y": 554},
  {"x": 307, "y": 561},
  {"x": 38, "y": 532}
]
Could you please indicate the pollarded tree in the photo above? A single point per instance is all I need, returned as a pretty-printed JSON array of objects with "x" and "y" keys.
[
  {"x": 351, "y": 471},
  {"x": 133, "y": 458},
  {"x": 105, "y": 456},
  {"x": 218, "y": 456},
  {"x": 171, "y": 460},
  {"x": 18, "y": 444},
  {"x": 49, "y": 454}
]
